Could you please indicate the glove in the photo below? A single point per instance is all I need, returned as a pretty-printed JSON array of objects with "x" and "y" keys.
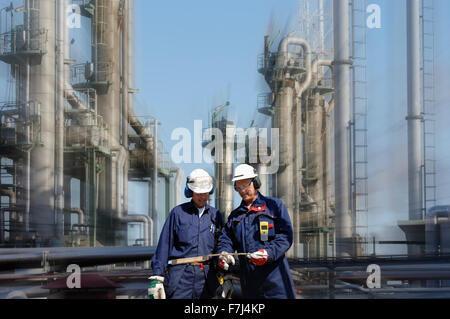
[
  {"x": 226, "y": 288},
  {"x": 156, "y": 288},
  {"x": 225, "y": 259},
  {"x": 259, "y": 257}
]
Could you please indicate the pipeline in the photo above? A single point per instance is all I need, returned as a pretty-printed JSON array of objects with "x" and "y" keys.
[
  {"x": 28, "y": 258},
  {"x": 146, "y": 220}
]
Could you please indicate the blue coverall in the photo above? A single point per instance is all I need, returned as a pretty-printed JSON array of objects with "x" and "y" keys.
[
  {"x": 242, "y": 234},
  {"x": 186, "y": 235}
]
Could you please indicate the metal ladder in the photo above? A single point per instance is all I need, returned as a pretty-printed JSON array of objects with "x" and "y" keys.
[
  {"x": 428, "y": 104},
  {"x": 358, "y": 136}
]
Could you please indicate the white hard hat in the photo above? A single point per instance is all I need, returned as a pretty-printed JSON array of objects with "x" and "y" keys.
[
  {"x": 244, "y": 171},
  {"x": 200, "y": 182}
]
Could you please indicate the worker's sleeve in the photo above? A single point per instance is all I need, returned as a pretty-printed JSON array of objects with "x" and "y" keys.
[
  {"x": 165, "y": 244},
  {"x": 284, "y": 234},
  {"x": 226, "y": 240}
]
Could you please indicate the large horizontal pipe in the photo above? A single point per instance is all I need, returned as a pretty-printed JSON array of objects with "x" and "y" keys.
[
  {"x": 82, "y": 257},
  {"x": 40, "y": 250}
]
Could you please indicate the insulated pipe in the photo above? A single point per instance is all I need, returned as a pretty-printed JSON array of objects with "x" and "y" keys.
[
  {"x": 224, "y": 169},
  {"x": 326, "y": 147},
  {"x": 128, "y": 66},
  {"x": 315, "y": 68},
  {"x": 125, "y": 72},
  {"x": 414, "y": 117},
  {"x": 283, "y": 50},
  {"x": 316, "y": 160},
  {"x": 42, "y": 89},
  {"x": 146, "y": 220},
  {"x": 342, "y": 62},
  {"x": 59, "y": 136},
  {"x": 73, "y": 99},
  {"x": 141, "y": 130},
  {"x": 177, "y": 185},
  {"x": 284, "y": 178},
  {"x": 155, "y": 183},
  {"x": 27, "y": 167},
  {"x": 125, "y": 105},
  {"x": 82, "y": 257},
  {"x": 27, "y": 171},
  {"x": 292, "y": 173},
  {"x": 128, "y": 69},
  {"x": 80, "y": 213}
]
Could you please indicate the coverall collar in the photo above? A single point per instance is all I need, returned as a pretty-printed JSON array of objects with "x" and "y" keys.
[
  {"x": 259, "y": 203},
  {"x": 193, "y": 209}
]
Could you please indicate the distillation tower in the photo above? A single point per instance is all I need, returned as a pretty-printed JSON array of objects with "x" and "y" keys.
[
  {"x": 74, "y": 122},
  {"x": 311, "y": 104}
]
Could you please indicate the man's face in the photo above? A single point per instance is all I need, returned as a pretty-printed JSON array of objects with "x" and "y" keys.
[
  {"x": 246, "y": 190},
  {"x": 200, "y": 200}
]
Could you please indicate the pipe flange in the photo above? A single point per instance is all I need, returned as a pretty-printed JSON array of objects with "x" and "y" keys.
[
  {"x": 414, "y": 117},
  {"x": 342, "y": 62}
]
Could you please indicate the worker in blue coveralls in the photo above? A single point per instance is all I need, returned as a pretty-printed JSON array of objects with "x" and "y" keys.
[
  {"x": 261, "y": 227},
  {"x": 191, "y": 230}
]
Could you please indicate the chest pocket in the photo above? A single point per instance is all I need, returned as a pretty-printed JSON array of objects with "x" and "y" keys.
[
  {"x": 236, "y": 229},
  {"x": 265, "y": 227},
  {"x": 185, "y": 231}
]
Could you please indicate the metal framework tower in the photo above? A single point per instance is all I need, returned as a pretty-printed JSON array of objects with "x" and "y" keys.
[
  {"x": 359, "y": 143},
  {"x": 315, "y": 25}
]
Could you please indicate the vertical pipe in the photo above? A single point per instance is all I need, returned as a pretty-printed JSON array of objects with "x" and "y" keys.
[
  {"x": 288, "y": 101},
  {"x": 130, "y": 83},
  {"x": 42, "y": 89},
  {"x": 155, "y": 182},
  {"x": 177, "y": 183},
  {"x": 284, "y": 121},
  {"x": 227, "y": 171},
  {"x": 125, "y": 74},
  {"x": 92, "y": 189},
  {"x": 125, "y": 97},
  {"x": 67, "y": 205},
  {"x": 342, "y": 119},
  {"x": 28, "y": 133},
  {"x": 298, "y": 177},
  {"x": 59, "y": 133},
  {"x": 414, "y": 117},
  {"x": 106, "y": 57}
]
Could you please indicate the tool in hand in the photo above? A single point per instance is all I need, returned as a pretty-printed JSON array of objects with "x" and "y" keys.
[{"x": 199, "y": 259}]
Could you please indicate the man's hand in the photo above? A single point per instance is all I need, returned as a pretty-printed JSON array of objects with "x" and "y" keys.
[
  {"x": 156, "y": 288},
  {"x": 225, "y": 259},
  {"x": 259, "y": 257}
]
